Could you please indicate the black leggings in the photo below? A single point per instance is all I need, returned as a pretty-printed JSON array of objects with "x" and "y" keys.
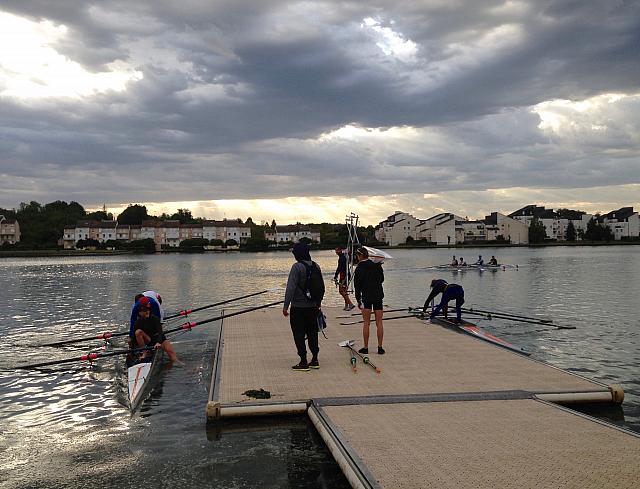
[{"x": 303, "y": 322}]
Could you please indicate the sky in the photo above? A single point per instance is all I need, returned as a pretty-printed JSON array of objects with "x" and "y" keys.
[{"x": 306, "y": 111}]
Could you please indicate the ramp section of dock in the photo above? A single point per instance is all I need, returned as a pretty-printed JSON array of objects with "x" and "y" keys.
[{"x": 477, "y": 444}]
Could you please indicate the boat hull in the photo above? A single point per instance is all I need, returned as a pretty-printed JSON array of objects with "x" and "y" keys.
[
  {"x": 473, "y": 330},
  {"x": 141, "y": 376}
]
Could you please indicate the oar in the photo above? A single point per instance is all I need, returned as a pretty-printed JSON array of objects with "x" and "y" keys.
[
  {"x": 111, "y": 334},
  {"x": 186, "y": 312},
  {"x": 365, "y": 359},
  {"x": 102, "y": 336},
  {"x": 495, "y": 313},
  {"x": 352, "y": 359},
  {"x": 384, "y": 319},
  {"x": 493, "y": 316},
  {"x": 86, "y": 357},
  {"x": 359, "y": 313},
  {"x": 191, "y": 325}
]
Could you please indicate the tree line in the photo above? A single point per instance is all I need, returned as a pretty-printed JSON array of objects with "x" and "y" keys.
[{"x": 42, "y": 227}]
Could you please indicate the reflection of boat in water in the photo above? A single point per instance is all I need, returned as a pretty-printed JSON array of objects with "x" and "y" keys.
[{"x": 142, "y": 375}]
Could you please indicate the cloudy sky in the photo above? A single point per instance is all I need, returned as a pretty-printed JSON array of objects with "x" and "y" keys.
[{"x": 306, "y": 111}]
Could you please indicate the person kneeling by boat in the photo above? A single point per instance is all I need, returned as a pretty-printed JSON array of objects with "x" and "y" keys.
[
  {"x": 449, "y": 292},
  {"x": 148, "y": 330}
]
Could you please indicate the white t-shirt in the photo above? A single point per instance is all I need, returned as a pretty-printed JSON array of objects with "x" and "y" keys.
[{"x": 154, "y": 295}]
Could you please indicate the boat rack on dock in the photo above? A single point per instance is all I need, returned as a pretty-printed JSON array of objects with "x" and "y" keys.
[{"x": 447, "y": 409}]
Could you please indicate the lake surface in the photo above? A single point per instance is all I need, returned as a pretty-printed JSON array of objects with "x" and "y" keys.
[{"x": 64, "y": 427}]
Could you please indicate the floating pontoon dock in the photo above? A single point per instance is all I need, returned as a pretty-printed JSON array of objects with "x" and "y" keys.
[{"x": 447, "y": 409}]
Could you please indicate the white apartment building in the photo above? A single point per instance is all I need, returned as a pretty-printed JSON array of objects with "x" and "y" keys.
[
  {"x": 498, "y": 225},
  {"x": 9, "y": 230},
  {"x": 624, "y": 223},
  {"x": 440, "y": 229},
  {"x": 292, "y": 233},
  {"x": 396, "y": 228},
  {"x": 555, "y": 222}
]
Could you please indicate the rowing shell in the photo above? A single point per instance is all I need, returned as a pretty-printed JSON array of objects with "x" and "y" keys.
[
  {"x": 376, "y": 255},
  {"x": 474, "y": 330},
  {"x": 140, "y": 377}
]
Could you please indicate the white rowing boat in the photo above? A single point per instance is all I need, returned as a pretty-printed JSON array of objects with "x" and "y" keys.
[
  {"x": 376, "y": 255},
  {"x": 141, "y": 377}
]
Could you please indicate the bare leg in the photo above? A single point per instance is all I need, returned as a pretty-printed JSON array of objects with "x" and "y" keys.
[
  {"x": 366, "y": 316},
  {"x": 345, "y": 295},
  {"x": 142, "y": 338},
  {"x": 379, "y": 327},
  {"x": 168, "y": 348}
]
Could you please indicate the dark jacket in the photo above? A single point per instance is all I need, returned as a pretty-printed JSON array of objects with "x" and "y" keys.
[
  {"x": 152, "y": 327},
  {"x": 367, "y": 281},
  {"x": 294, "y": 294}
]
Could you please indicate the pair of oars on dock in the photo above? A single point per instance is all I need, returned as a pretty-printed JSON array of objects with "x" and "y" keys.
[
  {"x": 417, "y": 311},
  {"x": 354, "y": 354},
  {"x": 183, "y": 327}
]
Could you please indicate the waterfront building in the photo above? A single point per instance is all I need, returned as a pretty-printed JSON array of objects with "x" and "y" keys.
[
  {"x": 291, "y": 233},
  {"x": 555, "y": 222},
  {"x": 624, "y": 223},
  {"x": 501, "y": 227},
  {"x": 163, "y": 233},
  {"x": 396, "y": 228},
  {"x": 440, "y": 229},
  {"x": 9, "y": 231}
]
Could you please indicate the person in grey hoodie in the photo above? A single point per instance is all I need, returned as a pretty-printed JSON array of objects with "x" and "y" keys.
[{"x": 304, "y": 311}]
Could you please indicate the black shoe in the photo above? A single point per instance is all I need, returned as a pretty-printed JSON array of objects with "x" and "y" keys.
[
  {"x": 381, "y": 351},
  {"x": 363, "y": 350},
  {"x": 301, "y": 367},
  {"x": 314, "y": 364}
]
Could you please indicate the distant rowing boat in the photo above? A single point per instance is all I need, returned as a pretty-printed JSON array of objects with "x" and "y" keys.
[
  {"x": 478, "y": 268},
  {"x": 141, "y": 376}
]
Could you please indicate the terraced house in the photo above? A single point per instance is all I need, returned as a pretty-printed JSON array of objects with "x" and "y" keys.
[
  {"x": 163, "y": 233},
  {"x": 9, "y": 231}
]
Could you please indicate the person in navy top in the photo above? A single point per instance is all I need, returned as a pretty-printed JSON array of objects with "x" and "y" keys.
[
  {"x": 449, "y": 292},
  {"x": 156, "y": 310}
]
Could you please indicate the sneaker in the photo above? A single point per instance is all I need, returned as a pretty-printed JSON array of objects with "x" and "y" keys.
[
  {"x": 345, "y": 308},
  {"x": 363, "y": 350},
  {"x": 381, "y": 351},
  {"x": 314, "y": 364},
  {"x": 301, "y": 367},
  {"x": 350, "y": 307}
]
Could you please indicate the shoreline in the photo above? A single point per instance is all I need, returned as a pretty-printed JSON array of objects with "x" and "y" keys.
[{"x": 63, "y": 253}]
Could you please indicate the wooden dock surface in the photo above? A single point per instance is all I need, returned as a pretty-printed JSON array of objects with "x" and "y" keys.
[{"x": 447, "y": 409}]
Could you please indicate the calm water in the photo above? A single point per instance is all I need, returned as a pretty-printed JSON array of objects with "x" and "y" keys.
[{"x": 66, "y": 427}]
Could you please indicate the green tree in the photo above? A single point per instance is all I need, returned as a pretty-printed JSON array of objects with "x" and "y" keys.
[
  {"x": 571, "y": 232},
  {"x": 231, "y": 242},
  {"x": 133, "y": 214},
  {"x": 537, "y": 232},
  {"x": 184, "y": 216},
  {"x": 100, "y": 216},
  {"x": 598, "y": 232}
]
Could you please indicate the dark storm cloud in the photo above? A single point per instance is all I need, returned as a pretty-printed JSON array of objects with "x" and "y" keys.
[{"x": 235, "y": 95}]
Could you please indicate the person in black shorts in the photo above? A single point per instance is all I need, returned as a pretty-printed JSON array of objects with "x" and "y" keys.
[
  {"x": 148, "y": 330},
  {"x": 368, "y": 279}
]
